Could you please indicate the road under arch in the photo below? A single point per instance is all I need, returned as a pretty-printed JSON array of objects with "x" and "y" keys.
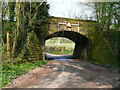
[{"x": 80, "y": 41}]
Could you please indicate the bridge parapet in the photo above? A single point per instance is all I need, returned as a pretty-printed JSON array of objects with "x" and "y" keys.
[{"x": 81, "y": 26}]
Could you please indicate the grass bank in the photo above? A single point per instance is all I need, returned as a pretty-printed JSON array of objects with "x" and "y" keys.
[
  {"x": 11, "y": 71},
  {"x": 104, "y": 64},
  {"x": 65, "y": 52}
]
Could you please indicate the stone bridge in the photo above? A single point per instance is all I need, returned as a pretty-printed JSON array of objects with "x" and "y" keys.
[
  {"x": 89, "y": 38},
  {"x": 80, "y": 26},
  {"x": 79, "y": 33}
]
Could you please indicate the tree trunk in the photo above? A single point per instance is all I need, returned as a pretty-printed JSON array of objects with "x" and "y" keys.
[
  {"x": 20, "y": 33},
  {"x": 3, "y": 44},
  {"x": 8, "y": 44},
  {"x": 14, "y": 43}
]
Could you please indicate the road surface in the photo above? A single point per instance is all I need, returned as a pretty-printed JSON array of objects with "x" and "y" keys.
[{"x": 67, "y": 74}]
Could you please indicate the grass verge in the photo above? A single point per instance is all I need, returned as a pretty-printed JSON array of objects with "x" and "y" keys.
[
  {"x": 11, "y": 71},
  {"x": 65, "y": 52},
  {"x": 106, "y": 65}
]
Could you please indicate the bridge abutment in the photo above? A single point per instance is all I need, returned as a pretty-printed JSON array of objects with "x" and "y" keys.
[
  {"x": 77, "y": 51},
  {"x": 80, "y": 52}
]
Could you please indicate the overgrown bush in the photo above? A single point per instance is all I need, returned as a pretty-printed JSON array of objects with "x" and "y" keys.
[{"x": 103, "y": 49}]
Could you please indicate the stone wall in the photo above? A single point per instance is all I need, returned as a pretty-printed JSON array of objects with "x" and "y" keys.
[
  {"x": 98, "y": 48},
  {"x": 35, "y": 49},
  {"x": 84, "y": 28}
]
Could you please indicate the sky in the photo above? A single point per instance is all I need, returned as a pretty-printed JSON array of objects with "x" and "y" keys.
[{"x": 69, "y": 9}]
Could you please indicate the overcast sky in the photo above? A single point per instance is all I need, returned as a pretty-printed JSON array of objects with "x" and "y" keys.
[{"x": 69, "y": 8}]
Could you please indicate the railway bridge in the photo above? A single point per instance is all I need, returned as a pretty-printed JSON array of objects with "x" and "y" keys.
[
  {"x": 89, "y": 39},
  {"x": 76, "y": 30}
]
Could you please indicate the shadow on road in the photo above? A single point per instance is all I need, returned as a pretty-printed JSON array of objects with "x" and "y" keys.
[{"x": 49, "y": 56}]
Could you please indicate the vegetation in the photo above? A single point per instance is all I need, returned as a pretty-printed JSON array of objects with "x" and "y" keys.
[
  {"x": 72, "y": 19},
  {"x": 105, "y": 64},
  {"x": 60, "y": 41},
  {"x": 26, "y": 24},
  {"x": 59, "y": 50},
  {"x": 26, "y": 21},
  {"x": 104, "y": 40},
  {"x": 23, "y": 26},
  {"x": 11, "y": 71},
  {"x": 59, "y": 45}
]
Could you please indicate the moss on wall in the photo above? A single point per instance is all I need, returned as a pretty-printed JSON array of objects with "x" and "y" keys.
[
  {"x": 35, "y": 50},
  {"x": 101, "y": 50},
  {"x": 70, "y": 19}
]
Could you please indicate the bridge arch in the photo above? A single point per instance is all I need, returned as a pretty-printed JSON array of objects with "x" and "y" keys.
[{"x": 80, "y": 41}]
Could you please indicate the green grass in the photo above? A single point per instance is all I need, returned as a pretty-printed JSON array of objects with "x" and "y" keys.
[
  {"x": 107, "y": 65},
  {"x": 10, "y": 71},
  {"x": 65, "y": 52},
  {"x": 68, "y": 45},
  {"x": 73, "y": 19},
  {"x": 63, "y": 42}
]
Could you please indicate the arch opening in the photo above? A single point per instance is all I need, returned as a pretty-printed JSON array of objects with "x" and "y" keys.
[
  {"x": 80, "y": 42},
  {"x": 59, "y": 45}
]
